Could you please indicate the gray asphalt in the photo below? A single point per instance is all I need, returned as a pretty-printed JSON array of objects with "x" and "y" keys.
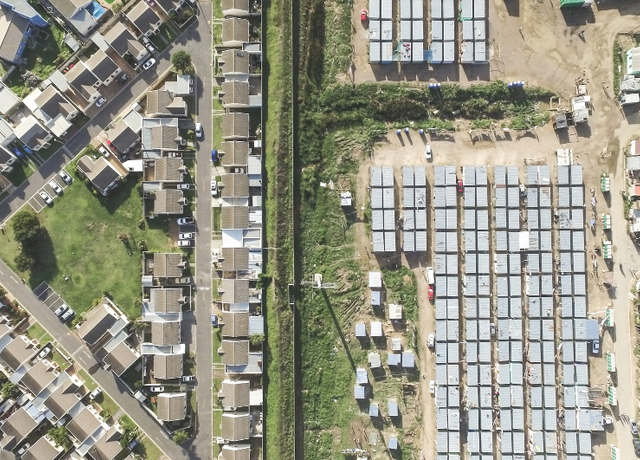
[
  {"x": 76, "y": 349},
  {"x": 197, "y": 40}
]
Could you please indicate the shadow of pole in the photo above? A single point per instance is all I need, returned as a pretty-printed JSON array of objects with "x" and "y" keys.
[{"x": 337, "y": 325}]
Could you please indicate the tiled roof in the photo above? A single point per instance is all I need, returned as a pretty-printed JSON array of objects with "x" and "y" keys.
[
  {"x": 41, "y": 450},
  {"x": 235, "y": 92},
  {"x": 66, "y": 7},
  {"x": 17, "y": 352},
  {"x": 165, "y": 332},
  {"x": 235, "y": 5},
  {"x": 235, "y": 153},
  {"x": 235, "y": 393},
  {"x": 234, "y": 291},
  {"x": 236, "y": 452},
  {"x": 12, "y": 30},
  {"x": 83, "y": 424},
  {"x": 235, "y": 125},
  {"x": 235, "y": 185},
  {"x": 82, "y": 80},
  {"x": 168, "y": 5},
  {"x": 235, "y": 352},
  {"x": 38, "y": 377},
  {"x": 16, "y": 428},
  {"x": 108, "y": 446},
  {"x": 169, "y": 201},
  {"x": 143, "y": 17},
  {"x": 163, "y": 102},
  {"x": 101, "y": 65},
  {"x": 235, "y": 427},
  {"x": 97, "y": 323},
  {"x": 235, "y": 217},
  {"x": 120, "y": 359},
  {"x": 235, "y": 61},
  {"x": 52, "y": 103},
  {"x": 64, "y": 398},
  {"x": 169, "y": 169},
  {"x": 167, "y": 265},
  {"x": 122, "y": 136},
  {"x": 236, "y": 324},
  {"x": 167, "y": 367},
  {"x": 163, "y": 137},
  {"x": 122, "y": 40},
  {"x": 30, "y": 131},
  {"x": 99, "y": 172},
  {"x": 235, "y": 30},
  {"x": 235, "y": 259},
  {"x": 165, "y": 300},
  {"x": 172, "y": 406}
]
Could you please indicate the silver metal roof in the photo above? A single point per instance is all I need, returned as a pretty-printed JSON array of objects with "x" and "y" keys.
[
  {"x": 549, "y": 375},
  {"x": 439, "y": 197},
  {"x": 532, "y": 175},
  {"x": 500, "y": 176},
  {"x": 535, "y": 352},
  {"x": 469, "y": 195},
  {"x": 471, "y": 263},
  {"x": 580, "y": 307},
  {"x": 533, "y": 219},
  {"x": 484, "y": 285},
  {"x": 482, "y": 199},
  {"x": 421, "y": 219},
  {"x": 566, "y": 307},
  {"x": 482, "y": 219},
  {"x": 376, "y": 198},
  {"x": 442, "y": 441},
  {"x": 545, "y": 219},
  {"x": 408, "y": 197},
  {"x": 481, "y": 175},
  {"x": 548, "y": 352},
  {"x": 388, "y": 198},
  {"x": 544, "y": 174},
  {"x": 469, "y": 219},
  {"x": 577, "y": 218},
  {"x": 577, "y": 196},
  {"x": 486, "y": 443},
  {"x": 421, "y": 240},
  {"x": 563, "y": 175},
  {"x": 378, "y": 241},
  {"x": 564, "y": 240},
  {"x": 579, "y": 262},
  {"x": 567, "y": 334},
  {"x": 453, "y": 374},
  {"x": 377, "y": 219},
  {"x": 564, "y": 197},
  {"x": 500, "y": 194},
  {"x": 545, "y": 197},
  {"x": 407, "y": 176},
  {"x": 580, "y": 351},
  {"x": 470, "y": 307},
  {"x": 451, "y": 195},
  {"x": 441, "y": 396},
  {"x": 420, "y": 178},
  {"x": 504, "y": 352},
  {"x": 537, "y": 416},
  {"x": 453, "y": 398},
  {"x": 533, "y": 263},
  {"x": 535, "y": 329},
  {"x": 469, "y": 175},
  {"x": 471, "y": 332},
  {"x": 513, "y": 175},
  {"x": 453, "y": 352},
  {"x": 408, "y": 241},
  {"x": 505, "y": 425},
  {"x": 513, "y": 197},
  {"x": 546, "y": 262},
  {"x": 452, "y": 219},
  {"x": 376, "y": 176},
  {"x": 469, "y": 241},
  {"x": 502, "y": 309},
  {"x": 501, "y": 218},
  {"x": 532, "y": 197},
  {"x": 454, "y": 441},
  {"x": 577, "y": 242},
  {"x": 518, "y": 419},
  {"x": 450, "y": 174},
  {"x": 473, "y": 437},
  {"x": 409, "y": 220},
  {"x": 485, "y": 379},
  {"x": 387, "y": 176},
  {"x": 502, "y": 264},
  {"x": 483, "y": 241},
  {"x": 420, "y": 197},
  {"x": 515, "y": 306},
  {"x": 516, "y": 351},
  {"x": 568, "y": 374},
  {"x": 514, "y": 219},
  {"x": 439, "y": 174},
  {"x": 534, "y": 241},
  {"x": 389, "y": 220},
  {"x": 453, "y": 333},
  {"x": 576, "y": 175},
  {"x": 484, "y": 307}
]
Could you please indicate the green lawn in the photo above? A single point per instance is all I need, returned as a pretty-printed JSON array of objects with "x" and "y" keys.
[
  {"x": 168, "y": 33},
  {"x": 147, "y": 449},
  {"x": 63, "y": 363},
  {"x": 88, "y": 381},
  {"x": 37, "y": 332},
  {"x": 106, "y": 403},
  {"x": 83, "y": 244},
  {"x": 21, "y": 171}
]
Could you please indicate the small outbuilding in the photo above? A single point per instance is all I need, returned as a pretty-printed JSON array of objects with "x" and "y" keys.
[
  {"x": 359, "y": 392},
  {"x": 393, "y": 408},
  {"x": 394, "y": 359},
  {"x": 374, "y": 360},
  {"x": 395, "y": 311},
  {"x": 375, "y": 280},
  {"x": 361, "y": 376},
  {"x": 373, "y": 410},
  {"x": 376, "y": 329},
  {"x": 361, "y": 330},
  {"x": 396, "y": 344},
  {"x": 393, "y": 443},
  {"x": 408, "y": 359}
]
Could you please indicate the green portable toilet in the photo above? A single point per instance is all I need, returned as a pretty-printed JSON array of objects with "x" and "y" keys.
[{"x": 565, "y": 4}]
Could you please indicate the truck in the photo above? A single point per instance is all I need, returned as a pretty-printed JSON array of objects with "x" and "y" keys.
[{"x": 430, "y": 277}]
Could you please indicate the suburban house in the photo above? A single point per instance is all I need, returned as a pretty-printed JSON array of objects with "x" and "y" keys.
[
  {"x": 86, "y": 428},
  {"x": 235, "y": 126},
  {"x": 234, "y": 64},
  {"x": 167, "y": 265},
  {"x": 82, "y": 15},
  {"x": 83, "y": 83},
  {"x": 235, "y": 189},
  {"x": 9, "y": 101},
  {"x": 162, "y": 103},
  {"x": 234, "y": 352},
  {"x": 16, "y": 351},
  {"x": 234, "y": 394},
  {"x": 19, "y": 425},
  {"x": 234, "y": 259},
  {"x": 32, "y": 134},
  {"x": 160, "y": 135},
  {"x": 236, "y": 426},
  {"x": 124, "y": 43},
  {"x": 235, "y": 452},
  {"x": 167, "y": 367},
  {"x": 144, "y": 19},
  {"x": 165, "y": 333},
  {"x": 7, "y": 159},
  {"x": 165, "y": 169},
  {"x": 52, "y": 108},
  {"x": 234, "y": 154},
  {"x": 102, "y": 174},
  {"x": 103, "y": 67},
  {"x": 17, "y": 23},
  {"x": 169, "y": 201},
  {"x": 235, "y": 32},
  {"x": 172, "y": 406},
  {"x": 108, "y": 446},
  {"x": 163, "y": 303},
  {"x": 240, "y": 95},
  {"x": 119, "y": 356},
  {"x": 104, "y": 322},
  {"x": 43, "y": 449},
  {"x": 66, "y": 397},
  {"x": 122, "y": 137},
  {"x": 235, "y": 217},
  {"x": 235, "y": 7},
  {"x": 171, "y": 6},
  {"x": 38, "y": 377},
  {"x": 183, "y": 86},
  {"x": 235, "y": 295}
]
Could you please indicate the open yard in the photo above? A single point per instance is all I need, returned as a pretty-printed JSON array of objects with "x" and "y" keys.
[{"x": 83, "y": 243}]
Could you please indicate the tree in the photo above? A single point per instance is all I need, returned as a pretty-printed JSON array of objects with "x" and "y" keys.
[
  {"x": 181, "y": 60},
  {"x": 180, "y": 436},
  {"x": 9, "y": 390},
  {"x": 25, "y": 262},
  {"x": 256, "y": 339},
  {"x": 59, "y": 436},
  {"x": 26, "y": 228}
]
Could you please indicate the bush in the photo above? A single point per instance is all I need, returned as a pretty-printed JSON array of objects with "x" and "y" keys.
[
  {"x": 180, "y": 436},
  {"x": 9, "y": 390},
  {"x": 181, "y": 60},
  {"x": 59, "y": 436}
]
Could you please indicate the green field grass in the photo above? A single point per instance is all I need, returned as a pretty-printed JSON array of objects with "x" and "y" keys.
[
  {"x": 36, "y": 331},
  {"x": 83, "y": 244}
]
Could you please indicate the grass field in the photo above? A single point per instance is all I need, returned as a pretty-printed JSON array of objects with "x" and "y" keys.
[
  {"x": 37, "y": 332},
  {"x": 83, "y": 244}
]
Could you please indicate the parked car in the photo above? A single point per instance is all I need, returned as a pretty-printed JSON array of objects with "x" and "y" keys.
[
  {"x": 185, "y": 243},
  {"x": 185, "y": 236},
  {"x": 460, "y": 186},
  {"x": 123, "y": 79},
  {"x": 431, "y": 293},
  {"x": 65, "y": 177},
  {"x": 186, "y": 221},
  {"x": 634, "y": 427},
  {"x": 184, "y": 186},
  {"x": 150, "y": 48},
  {"x": 188, "y": 378},
  {"x": 54, "y": 185},
  {"x": 94, "y": 394},
  {"x": 636, "y": 446},
  {"x": 492, "y": 329},
  {"x": 45, "y": 197},
  {"x": 427, "y": 152},
  {"x": 147, "y": 65},
  {"x": 68, "y": 315},
  {"x": 595, "y": 347},
  {"x": 150, "y": 2},
  {"x": 431, "y": 341},
  {"x": 214, "y": 187},
  {"x": 432, "y": 387},
  {"x": 44, "y": 352},
  {"x": 103, "y": 150},
  {"x": 214, "y": 320},
  {"x": 61, "y": 309},
  {"x": 100, "y": 102},
  {"x": 159, "y": 389},
  {"x": 363, "y": 15},
  {"x": 24, "y": 448},
  {"x": 199, "y": 130}
]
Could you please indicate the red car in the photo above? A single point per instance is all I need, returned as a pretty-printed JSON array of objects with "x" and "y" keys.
[
  {"x": 432, "y": 294},
  {"x": 363, "y": 15},
  {"x": 460, "y": 186}
]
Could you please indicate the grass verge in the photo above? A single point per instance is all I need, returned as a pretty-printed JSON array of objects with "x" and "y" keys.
[{"x": 36, "y": 331}]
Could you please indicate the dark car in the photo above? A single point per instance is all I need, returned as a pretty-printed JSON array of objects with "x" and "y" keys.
[
  {"x": 636, "y": 446},
  {"x": 123, "y": 79}
]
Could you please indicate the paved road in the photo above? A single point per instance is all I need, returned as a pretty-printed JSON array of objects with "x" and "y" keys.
[
  {"x": 75, "y": 348},
  {"x": 198, "y": 43}
]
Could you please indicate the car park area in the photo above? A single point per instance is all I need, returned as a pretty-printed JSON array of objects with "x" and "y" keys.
[{"x": 48, "y": 193}]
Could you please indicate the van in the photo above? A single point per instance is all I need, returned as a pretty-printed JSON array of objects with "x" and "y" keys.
[{"x": 430, "y": 276}]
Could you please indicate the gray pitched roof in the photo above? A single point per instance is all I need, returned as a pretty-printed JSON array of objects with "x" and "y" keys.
[
  {"x": 234, "y": 153},
  {"x": 169, "y": 169},
  {"x": 143, "y": 17},
  {"x": 235, "y": 185},
  {"x": 41, "y": 450},
  {"x": 97, "y": 324},
  {"x": 167, "y": 367},
  {"x": 17, "y": 352},
  {"x": 167, "y": 265},
  {"x": 235, "y": 125},
  {"x": 12, "y": 30},
  {"x": 172, "y": 406},
  {"x": 165, "y": 332},
  {"x": 168, "y": 5},
  {"x": 120, "y": 358},
  {"x": 108, "y": 446},
  {"x": 165, "y": 300},
  {"x": 235, "y": 61},
  {"x": 99, "y": 172},
  {"x": 169, "y": 201},
  {"x": 235, "y": 259},
  {"x": 64, "y": 398},
  {"x": 66, "y": 7},
  {"x": 82, "y": 80},
  {"x": 16, "y": 428},
  {"x": 38, "y": 377},
  {"x": 122, "y": 40},
  {"x": 234, "y": 291},
  {"x": 52, "y": 103},
  {"x": 83, "y": 424},
  {"x": 236, "y": 452},
  {"x": 236, "y": 324},
  {"x": 30, "y": 131},
  {"x": 101, "y": 65},
  {"x": 163, "y": 102},
  {"x": 235, "y": 92},
  {"x": 235, "y": 29},
  {"x": 235, "y": 393},
  {"x": 235, "y": 217},
  {"x": 235, "y": 427},
  {"x": 122, "y": 136},
  {"x": 235, "y": 352}
]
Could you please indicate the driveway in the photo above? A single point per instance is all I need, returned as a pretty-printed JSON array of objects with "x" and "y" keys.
[{"x": 76, "y": 349}]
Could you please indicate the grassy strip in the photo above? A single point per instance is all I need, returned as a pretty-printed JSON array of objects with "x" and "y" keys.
[
  {"x": 36, "y": 331},
  {"x": 618, "y": 63},
  {"x": 278, "y": 377}
]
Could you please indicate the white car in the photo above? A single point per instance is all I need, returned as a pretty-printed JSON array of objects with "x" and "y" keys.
[
  {"x": 186, "y": 221},
  {"x": 44, "y": 352},
  {"x": 150, "y": 47},
  {"x": 61, "y": 309},
  {"x": 199, "y": 130},
  {"x": 45, "y": 197},
  {"x": 431, "y": 341},
  {"x": 24, "y": 448},
  {"x": 184, "y": 186},
  {"x": 185, "y": 236},
  {"x": 103, "y": 150},
  {"x": 214, "y": 187},
  {"x": 432, "y": 387},
  {"x": 100, "y": 102},
  {"x": 156, "y": 389},
  {"x": 65, "y": 177},
  {"x": 54, "y": 185},
  {"x": 94, "y": 394},
  {"x": 185, "y": 243},
  {"x": 147, "y": 65},
  {"x": 427, "y": 152}
]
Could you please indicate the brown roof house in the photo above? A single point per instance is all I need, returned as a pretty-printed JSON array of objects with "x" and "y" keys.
[
  {"x": 239, "y": 95},
  {"x": 102, "y": 174},
  {"x": 235, "y": 7},
  {"x": 234, "y": 154},
  {"x": 235, "y": 394},
  {"x": 33, "y": 134},
  {"x": 86, "y": 427},
  {"x": 235, "y": 186},
  {"x": 119, "y": 357},
  {"x": 144, "y": 18},
  {"x": 165, "y": 333},
  {"x": 162, "y": 103},
  {"x": 234, "y": 63},
  {"x": 236, "y": 324},
  {"x": 168, "y": 169},
  {"x": 17, "y": 351},
  {"x": 172, "y": 406},
  {"x": 234, "y": 217},
  {"x": 160, "y": 135},
  {"x": 52, "y": 108},
  {"x": 235, "y": 32},
  {"x": 103, "y": 323},
  {"x": 39, "y": 377},
  {"x": 236, "y": 427},
  {"x": 103, "y": 67},
  {"x": 84, "y": 83},
  {"x": 125, "y": 43},
  {"x": 234, "y": 259},
  {"x": 108, "y": 446},
  {"x": 232, "y": 291},
  {"x": 169, "y": 201},
  {"x": 19, "y": 425},
  {"x": 170, "y": 6},
  {"x": 66, "y": 397},
  {"x": 168, "y": 265},
  {"x": 122, "y": 137},
  {"x": 235, "y": 452},
  {"x": 43, "y": 449},
  {"x": 167, "y": 367},
  {"x": 78, "y": 13},
  {"x": 235, "y": 126},
  {"x": 163, "y": 303},
  {"x": 234, "y": 352}
]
